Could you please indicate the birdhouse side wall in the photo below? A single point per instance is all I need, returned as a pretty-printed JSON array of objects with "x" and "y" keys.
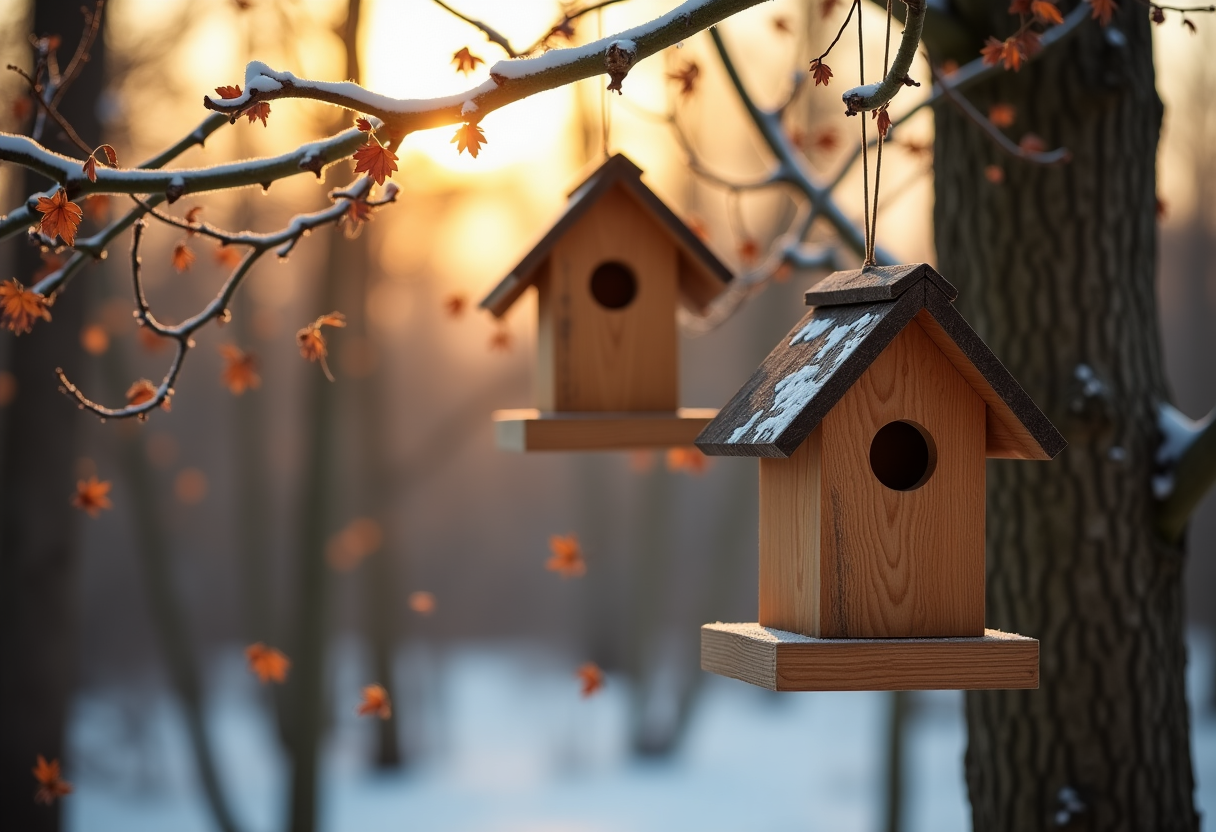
[
  {"x": 599, "y": 358},
  {"x": 789, "y": 539},
  {"x": 904, "y": 563}
]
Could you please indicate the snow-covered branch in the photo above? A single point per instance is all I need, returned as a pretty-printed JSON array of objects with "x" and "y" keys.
[
  {"x": 1186, "y": 467},
  {"x": 878, "y": 95},
  {"x": 66, "y": 171},
  {"x": 509, "y": 80}
]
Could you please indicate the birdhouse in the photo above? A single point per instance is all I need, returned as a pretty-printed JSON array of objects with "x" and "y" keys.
[
  {"x": 872, "y": 419},
  {"x": 609, "y": 277}
]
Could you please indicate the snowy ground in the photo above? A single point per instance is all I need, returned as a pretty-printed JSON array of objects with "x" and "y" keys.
[{"x": 510, "y": 746}]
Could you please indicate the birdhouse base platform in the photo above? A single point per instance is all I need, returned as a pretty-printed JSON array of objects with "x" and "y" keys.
[
  {"x": 534, "y": 430},
  {"x": 780, "y": 660}
]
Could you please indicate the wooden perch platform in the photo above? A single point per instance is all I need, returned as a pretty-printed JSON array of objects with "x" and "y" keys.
[
  {"x": 533, "y": 430},
  {"x": 780, "y": 660}
]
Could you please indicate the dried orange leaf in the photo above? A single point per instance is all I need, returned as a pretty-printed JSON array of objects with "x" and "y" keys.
[
  {"x": 240, "y": 371},
  {"x": 92, "y": 496},
  {"x": 60, "y": 217},
  {"x": 375, "y": 702},
  {"x": 261, "y": 110},
  {"x": 566, "y": 556},
  {"x": 20, "y": 307},
  {"x": 375, "y": 160},
  {"x": 183, "y": 257},
  {"x": 228, "y": 92},
  {"x": 466, "y": 61},
  {"x": 51, "y": 784},
  {"x": 469, "y": 137},
  {"x": 591, "y": 678},
  {"x": 268, "y": 664}
]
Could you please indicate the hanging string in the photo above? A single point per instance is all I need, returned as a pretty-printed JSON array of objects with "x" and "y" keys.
[
  {"x": 865, "y": 146},
  {"x": 873, "y": 233},
  {"x": 605, "y": 127}
]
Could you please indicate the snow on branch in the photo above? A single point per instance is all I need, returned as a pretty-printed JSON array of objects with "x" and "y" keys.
[
  {"x": 509, "y": 80},
  {"x": 1186, "y": 467},
  {"x": 876, "y": 96}
]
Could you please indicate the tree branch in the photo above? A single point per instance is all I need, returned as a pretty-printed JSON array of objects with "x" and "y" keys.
[
  {"x": 1187, "y": 461},
  {"x": 876, "y": 96},
  {"x": 509, "y": 80}
]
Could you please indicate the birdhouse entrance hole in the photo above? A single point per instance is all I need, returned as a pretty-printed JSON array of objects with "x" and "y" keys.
[
  {"x": 613, "y": 285},
  {"x": 903, "y": 456}
]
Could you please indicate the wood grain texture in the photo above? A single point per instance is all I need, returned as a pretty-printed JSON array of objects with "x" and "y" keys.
[
  {"x": 790, "y": 497},
  {"x": 613, "y": 359},
  {"x": 532, "y": 430},
  {"x": 904, "y": 563},
  {"x": 785, "y": 661}
]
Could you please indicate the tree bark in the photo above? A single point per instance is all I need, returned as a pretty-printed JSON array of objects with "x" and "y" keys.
[
  {"x": 1055, "y": 269},
  {"x": 38, "y": 446}
]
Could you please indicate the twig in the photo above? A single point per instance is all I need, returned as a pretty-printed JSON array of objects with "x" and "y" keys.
[
  {"x": 854, "y": 7},
  {"x": 49, "y": 108},
  {"x": 509, "y": 80},
  {"x": 492, "y": 34},
  {"x": 92, "y": 25},
  {"x": 283, "y": 241},
  {"x": 876, "y": 96},
  {"x": 496, "y": 37},
  {"x": 1043, "y": 157}
]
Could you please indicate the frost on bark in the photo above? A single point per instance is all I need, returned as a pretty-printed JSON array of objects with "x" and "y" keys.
[{"x": 1055, "y": 268}]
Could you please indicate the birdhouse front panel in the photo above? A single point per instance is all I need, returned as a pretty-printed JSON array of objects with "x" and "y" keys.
[{"x": 608, "y": 296}]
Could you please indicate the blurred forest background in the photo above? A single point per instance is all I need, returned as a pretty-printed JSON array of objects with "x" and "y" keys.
[{"x": 391, "y": 470}]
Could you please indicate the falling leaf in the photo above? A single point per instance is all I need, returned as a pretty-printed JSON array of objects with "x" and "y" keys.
[
  {"x": 51, "y": 785},
  {"x": 782, "y": 25},
  {"x": 469, "y": 137},
  {"x": 375, "y": 703},
  {"x": 227, "y": 256},
  {"x": 376, "y": 160},
  {"x": 1030, "y": 143},
  {"x": 500, "y": 341},
  {"x": 688, "y": 460},
  {"x": 228, "y": 92},
  {"x": 261, "y": 110},
  {"x": 466, "y": 61},
  {"x": 20, "y": 307},
  {"x": 883, "y": 120},
  {"x": 183, "y": 257},
  {"x": 190, "y": 486},
  {"x": 312, "y": 342},
  {"x": 1046, "y": 12},
  {"x": 1001, "y": 115},
  {"x": 687, "y": 76},
  {"x": 566, "y": 556},
  {"x": 240, "y": 371},
  {"x": 591, "y": 678},
  {"x": 94, "y": 339},
  {"x": 1103, "y": 10},
  {"x": 994, "y": 174},
  {"x": 269, "y": 664},
  {"x": 91, "y": 496},
  {"x": 347, "y": 549},
  {"x": 60, "y": 217},
  {"x": 821, "y": 72},
  {"x": 826, "y": 140},
  {"x": 421, "y": 602},
  {"x": 454, "y": 305}
]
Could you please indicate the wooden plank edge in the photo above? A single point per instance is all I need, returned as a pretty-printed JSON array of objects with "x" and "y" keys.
[
  {"x": 779, "y": 660},
  {"x": 533, "y": 430}
]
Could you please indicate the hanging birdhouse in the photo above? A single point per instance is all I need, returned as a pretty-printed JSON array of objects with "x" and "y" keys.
[
  {"x": 872, "y": 420},
  {"x": 609, "y": 276}
]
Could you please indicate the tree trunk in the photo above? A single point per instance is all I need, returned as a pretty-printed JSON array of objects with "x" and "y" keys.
[
  {"x": 1055, "y": 269},
  {"x": 38, "y": 433}
]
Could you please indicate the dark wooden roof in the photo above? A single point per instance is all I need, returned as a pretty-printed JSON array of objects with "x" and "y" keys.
[
  {"x": 828, "y": 350},
  {"x": 874, "y": 284},
  {"x": 702, "y": 275}
]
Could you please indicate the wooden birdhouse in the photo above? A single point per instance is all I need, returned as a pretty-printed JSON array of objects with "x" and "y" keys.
[
  {"x": 872, "y": 419},
  {"x": 609, "y": 276}
]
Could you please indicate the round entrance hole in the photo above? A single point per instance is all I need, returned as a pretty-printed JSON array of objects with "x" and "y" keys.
[
  {"x": 903, "y": 456},
  {"x": 613, "y": 285}
]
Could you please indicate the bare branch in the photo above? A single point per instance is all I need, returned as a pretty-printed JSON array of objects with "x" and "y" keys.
[
  {"x": 92, "y": 25},
  {"x": 1044, "y": 157},
  {"x": 492, "y": 34},
  {"x": 48, "y": 107}
]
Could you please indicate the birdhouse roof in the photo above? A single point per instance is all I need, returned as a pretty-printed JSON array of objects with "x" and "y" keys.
[
  {"x": 856, "y": 314},
  {"x": 702, "y": 276}
]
